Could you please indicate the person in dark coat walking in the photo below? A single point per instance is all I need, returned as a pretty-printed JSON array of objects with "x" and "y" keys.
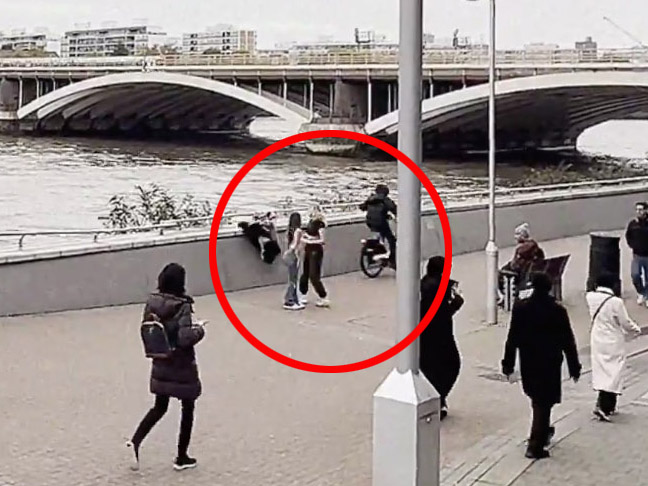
[
  {"x": 439, "y": 360},
  {"x": 176, "y": 376},
  {"x": 541, "y": 331}
]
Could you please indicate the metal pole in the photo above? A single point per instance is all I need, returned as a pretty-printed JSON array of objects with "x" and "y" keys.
[
  {"x": 312, "y": 98},
  {"x": 406, "y": 406},
  {"x": 369, "y": 100},
  {"x": 409, "y": 187},
  {"x": 491, "y": 246}
]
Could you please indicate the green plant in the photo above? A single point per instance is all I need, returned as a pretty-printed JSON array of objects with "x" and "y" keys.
[{"x": 153, "y": 205}]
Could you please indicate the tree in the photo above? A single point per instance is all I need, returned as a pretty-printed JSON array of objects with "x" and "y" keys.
[
  {"x": 120, "y": 50},
  {"x": 212, "y": 51},
  {"x": 164, "y": 50}
]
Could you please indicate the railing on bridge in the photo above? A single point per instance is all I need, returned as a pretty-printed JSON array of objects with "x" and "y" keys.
[
  {"x": 333, "y": 211},
  {"x": 463, "y": 57}
]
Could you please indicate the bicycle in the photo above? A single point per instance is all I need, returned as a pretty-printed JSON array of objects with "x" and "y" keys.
[{"x": 374, "y": 256}]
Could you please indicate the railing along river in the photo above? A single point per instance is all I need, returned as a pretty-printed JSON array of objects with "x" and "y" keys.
[{"x": 334, "y": 212}]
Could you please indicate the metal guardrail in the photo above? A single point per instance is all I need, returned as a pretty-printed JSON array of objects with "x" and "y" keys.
[
  {"x": 333, "y": 210},
  {"x": 464, "y": 57}
]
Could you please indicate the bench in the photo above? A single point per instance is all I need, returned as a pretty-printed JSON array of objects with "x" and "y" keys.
[{"x": 554, "y": 267}]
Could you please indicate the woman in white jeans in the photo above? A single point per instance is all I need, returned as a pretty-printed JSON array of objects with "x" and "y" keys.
[{"x": 291, "y": 258}]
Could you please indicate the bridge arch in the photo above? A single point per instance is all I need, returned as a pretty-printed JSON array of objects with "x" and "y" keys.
[
  {"x": 155, "y": 100},
  {"x": 538, "y": 111}
]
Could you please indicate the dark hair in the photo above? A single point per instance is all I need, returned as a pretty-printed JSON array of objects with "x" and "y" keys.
[
  {"x": 435, "y": 266},
  {"x": 606, "y": 279},
  {"x": 294, "y": 222},
  {"x": 382, "y": 189},
  {"x": 172, "y": 280},
  {"x": 541, "y": 283},
  {"x": 643, "y": 204}
]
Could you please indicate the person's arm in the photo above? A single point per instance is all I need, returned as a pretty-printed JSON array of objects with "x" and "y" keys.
[
  {"x": 297, "y": 236},
  {"x": 391, "y": 205},
  {"x": 569, "y": 347},
  {"x": 364, "y": 206},
  {"x": 456, "y": 300},
  {"x": 512, "y": 342},
  {"x": 630, "y": 328},
  {"x": 188, "y": 334},
  {"x": 319, "y": 240},
  {"x": 629, "y": 235}
]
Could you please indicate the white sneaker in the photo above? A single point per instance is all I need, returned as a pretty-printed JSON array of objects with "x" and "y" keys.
[
  {"x": 133, "y": 456},
  {"x": 323, "y": 302},
  {"x": 295, "y": 306},
  {"x": 302, "y": 298},
  {"x": 641, "y": 299}
]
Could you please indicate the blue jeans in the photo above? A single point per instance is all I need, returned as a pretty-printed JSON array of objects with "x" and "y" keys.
[
  {"x": 639, "y": 273},
  {"x": 292, "y": 262}
]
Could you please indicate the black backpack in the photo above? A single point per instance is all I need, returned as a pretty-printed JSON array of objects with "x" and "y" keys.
[{"x": 155, "y": 339}]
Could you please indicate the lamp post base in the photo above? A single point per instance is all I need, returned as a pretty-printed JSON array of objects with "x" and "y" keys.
[
  {"x": 492, "y": 253},
  {"x": 406, "y": 431}
]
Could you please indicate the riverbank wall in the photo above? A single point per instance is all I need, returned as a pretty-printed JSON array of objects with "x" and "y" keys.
[{"x": 117, "y": 273}]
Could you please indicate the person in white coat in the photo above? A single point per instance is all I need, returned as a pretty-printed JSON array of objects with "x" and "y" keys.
[{"x": 611, "y": 329}]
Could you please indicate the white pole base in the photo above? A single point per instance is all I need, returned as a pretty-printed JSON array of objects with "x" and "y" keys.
[
  {"x": 492, "y": 270},
  {"x": 406, "y": 430}
]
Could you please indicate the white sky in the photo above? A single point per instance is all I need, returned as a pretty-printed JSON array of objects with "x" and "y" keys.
[{"x": 519, "y": 21}]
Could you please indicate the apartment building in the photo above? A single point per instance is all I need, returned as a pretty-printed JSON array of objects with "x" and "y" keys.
[
  {"x": 104, "y": 41},
  {"x": 225, "y": 39},
  {"x": 21, "y": 40}
]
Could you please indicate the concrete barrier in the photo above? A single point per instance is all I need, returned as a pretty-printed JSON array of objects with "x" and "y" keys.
[{"x": 115, "y": 274}]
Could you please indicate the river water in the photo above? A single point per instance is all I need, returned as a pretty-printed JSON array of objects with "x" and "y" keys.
[{"x": 66, "y": 183}]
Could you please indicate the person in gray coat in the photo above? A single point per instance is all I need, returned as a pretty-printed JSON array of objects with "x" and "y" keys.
[{"x": 176, "y": 376}]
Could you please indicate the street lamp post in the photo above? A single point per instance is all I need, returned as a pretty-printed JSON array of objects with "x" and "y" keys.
[
  {"x": 491, "y": 247},
  {"x": 406, "y": 406}
]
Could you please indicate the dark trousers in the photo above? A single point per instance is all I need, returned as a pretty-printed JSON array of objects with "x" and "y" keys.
[
  {"x": 313, "y": 257},
  {"x": 157, "y": 412},
  {"x": 540, "y": 426},
  {"x": 387, "y": 233},
  {"x": 607, "y": 402}
]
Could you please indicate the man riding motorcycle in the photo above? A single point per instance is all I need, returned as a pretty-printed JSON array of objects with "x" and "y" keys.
[{"x": 378, "y": 206}]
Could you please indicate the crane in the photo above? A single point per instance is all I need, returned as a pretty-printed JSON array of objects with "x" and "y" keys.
[{"x": 617, "y": 26}]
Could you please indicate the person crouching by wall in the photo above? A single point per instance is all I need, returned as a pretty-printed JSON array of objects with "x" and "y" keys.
[
  {"x": 611, "y": 328},
  {"x": 176, "y": 376},
  {"x": 541, "y": 331},
  {"x": 439, "y": 359},
  {"x": 291, "y": 258},
  {"x": 314, "y": 241}
]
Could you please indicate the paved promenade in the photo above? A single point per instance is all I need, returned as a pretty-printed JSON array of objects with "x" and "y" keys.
[{"x": 75, "y": 385}]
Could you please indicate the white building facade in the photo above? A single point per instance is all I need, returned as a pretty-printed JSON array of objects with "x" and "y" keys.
[
  {"x": 20, "y": 40},
  {"x": 132, "y": 40},
  {"x": 224, "y": 39}
]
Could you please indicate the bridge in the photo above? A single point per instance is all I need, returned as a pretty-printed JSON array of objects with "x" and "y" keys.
[{"x": 571, "y": 89}]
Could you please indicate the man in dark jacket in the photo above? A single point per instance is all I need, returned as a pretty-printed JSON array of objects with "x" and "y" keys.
[
  {"x": 637, "y": 239},
  {"x": 541, "y": 331},
  {"x": 378, "y": 207}
]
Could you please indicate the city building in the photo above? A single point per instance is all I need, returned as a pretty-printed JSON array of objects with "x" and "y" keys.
[
  {"x": 21, "y": 41},
  {"x": 587, "y": 48},
  {"x": 363, "y": 40},
  {"x": 220, "y": 39},
  {"x": 110, "y": 40},
  {"x": 587, "y": 45}
]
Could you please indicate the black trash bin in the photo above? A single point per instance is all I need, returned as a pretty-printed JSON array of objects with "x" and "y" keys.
[{"x": 605, "y": 256}]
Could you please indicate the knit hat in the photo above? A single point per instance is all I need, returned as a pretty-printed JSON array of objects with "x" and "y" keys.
[{"x": 523, "y": 231}]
